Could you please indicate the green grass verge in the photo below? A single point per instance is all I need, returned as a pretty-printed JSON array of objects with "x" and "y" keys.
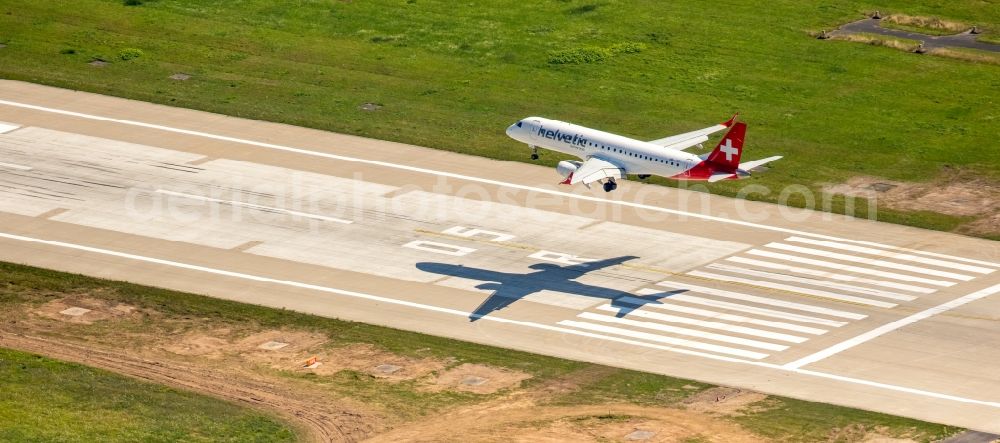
[
  {"x": 454, "y": 75},
  {"x": 48, "y": 400},
  {"x": 989, "y": 38},
  {"x": 784, "y": 419}
]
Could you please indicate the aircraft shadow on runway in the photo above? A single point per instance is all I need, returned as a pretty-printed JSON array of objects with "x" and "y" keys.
[{"x": 509, "y": 287}]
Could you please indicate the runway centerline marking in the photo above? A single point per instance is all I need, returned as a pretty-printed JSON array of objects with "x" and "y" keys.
[
  {"x": 254, "y": 206},
  {"x": 465, "y": 314},
  {"x": 473, "y": 179},
  {"x": 884, "y": 329}
]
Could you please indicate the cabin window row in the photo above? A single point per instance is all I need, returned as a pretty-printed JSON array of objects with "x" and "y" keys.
[{"x": 644, "y": 157}]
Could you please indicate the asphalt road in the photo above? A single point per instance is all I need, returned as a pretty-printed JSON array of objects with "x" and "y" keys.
[{"x": 785, "y": 301}]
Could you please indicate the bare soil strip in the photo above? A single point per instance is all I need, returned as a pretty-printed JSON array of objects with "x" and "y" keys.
[{"x": 321, "y": 422}]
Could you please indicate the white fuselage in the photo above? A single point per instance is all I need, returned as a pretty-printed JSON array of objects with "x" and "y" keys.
[{"x": 635, "y": 156}]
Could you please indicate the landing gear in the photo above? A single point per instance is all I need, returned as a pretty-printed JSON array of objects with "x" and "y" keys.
[
  {"x": 643, "y": 176},
  {"x": 610, "y": 185},
  {"x": 534, "y": 152}
]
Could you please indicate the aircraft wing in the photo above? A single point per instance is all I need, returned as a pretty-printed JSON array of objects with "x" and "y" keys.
[
  {"x": 746, "y": 166},
  {"x": 689, "y": 139},
  {"x": 594, "y": 169}
]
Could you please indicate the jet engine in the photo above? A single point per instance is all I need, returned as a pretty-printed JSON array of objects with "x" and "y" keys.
[{"x": 566, "y": 167}]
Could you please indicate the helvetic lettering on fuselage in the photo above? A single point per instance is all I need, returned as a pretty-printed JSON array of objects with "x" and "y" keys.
[
  {"x": 574, "y": 139},
  {"x": 606, "y": 157}
]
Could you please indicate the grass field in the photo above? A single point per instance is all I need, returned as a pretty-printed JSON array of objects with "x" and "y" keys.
[
  {"x": 453, "y": 76},
  {"x": 87, "y": 390},
  {"x": 48, "y": 400}
]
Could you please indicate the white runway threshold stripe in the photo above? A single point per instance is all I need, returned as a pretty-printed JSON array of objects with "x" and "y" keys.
[
  {"x": 811, "y": 281},
  {"x": 662, "y": 339},
  {"x": 830, "y": 275},
  {"x": 465, "y": 314},
  {"x": 254, "y": 206},
  {"x": 869, "y": 261},
  {"x": 756, "y": 310},
  {"x": 762, "y": 300},
  {"x": 892, "y": 255},
  {"x": 849, "y": 268},
  {"x": 884, "y": 329},
  {"x": 466, "y": 177},
  {"x": 13, "y": 166},
  {"x": 707, "y": 324},
  {"x": 722, "y": 316},
  {"x": 682, "y": 331},
  {"x": 796, "y": 289}
]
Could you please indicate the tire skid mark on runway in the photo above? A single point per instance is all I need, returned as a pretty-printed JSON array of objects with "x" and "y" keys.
[
  {"x": 254, "y": 206},
  {"x": 465, "y": 314}
]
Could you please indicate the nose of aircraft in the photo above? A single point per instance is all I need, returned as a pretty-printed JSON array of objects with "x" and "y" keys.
[{"x": 511, "y": 129}]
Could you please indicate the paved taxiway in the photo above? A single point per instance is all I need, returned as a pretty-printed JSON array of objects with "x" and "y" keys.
[{"x": 791, "y": 302}]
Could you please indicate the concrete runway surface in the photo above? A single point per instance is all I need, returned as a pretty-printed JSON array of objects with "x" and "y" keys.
[{"x": 784, "y": 301}]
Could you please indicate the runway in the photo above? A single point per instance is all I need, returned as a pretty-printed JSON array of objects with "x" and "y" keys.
[{"x": 785, "y": 301}]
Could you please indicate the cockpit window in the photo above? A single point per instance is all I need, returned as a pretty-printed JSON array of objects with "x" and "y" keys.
[{"x": 518, "y": 124}]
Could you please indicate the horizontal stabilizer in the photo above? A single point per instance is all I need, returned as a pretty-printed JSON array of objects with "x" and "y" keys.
[
  {"x": 750, "y": 165},
  {"x": 675, "y": 141},
  {"x": 720, "y": 176},
  {"x": 688, "y": 143}
]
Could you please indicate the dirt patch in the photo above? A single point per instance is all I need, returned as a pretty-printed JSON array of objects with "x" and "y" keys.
[
  {"x": 875, "y": 438},
  {"x": 504, "y": 421},
  {"x": 296, "y": 347},
  {"x": 85, "y": 310},
  {"x": 479, "y": 379},
  {"x": 212, "y": 344},
  {"x": 357, "y": 357},
  {"x": 951, "y": 194},
  {"x": 723, "y": 400}
]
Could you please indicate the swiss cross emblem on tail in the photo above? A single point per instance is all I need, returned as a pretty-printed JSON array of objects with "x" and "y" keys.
[
  {"x": 729, "y": 150},
  {"x": 726, "y": 156}
]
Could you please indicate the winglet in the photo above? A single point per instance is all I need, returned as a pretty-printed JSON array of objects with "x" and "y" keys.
[{"x": 731, "y": 120}]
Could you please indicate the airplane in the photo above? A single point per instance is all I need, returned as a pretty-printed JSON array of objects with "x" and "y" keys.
[
  {"x": 607, "y": 156},
  {"x": 509, "y": 287}
]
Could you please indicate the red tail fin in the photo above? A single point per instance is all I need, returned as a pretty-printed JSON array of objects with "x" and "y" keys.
[{"x": 726, "y": 155}]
